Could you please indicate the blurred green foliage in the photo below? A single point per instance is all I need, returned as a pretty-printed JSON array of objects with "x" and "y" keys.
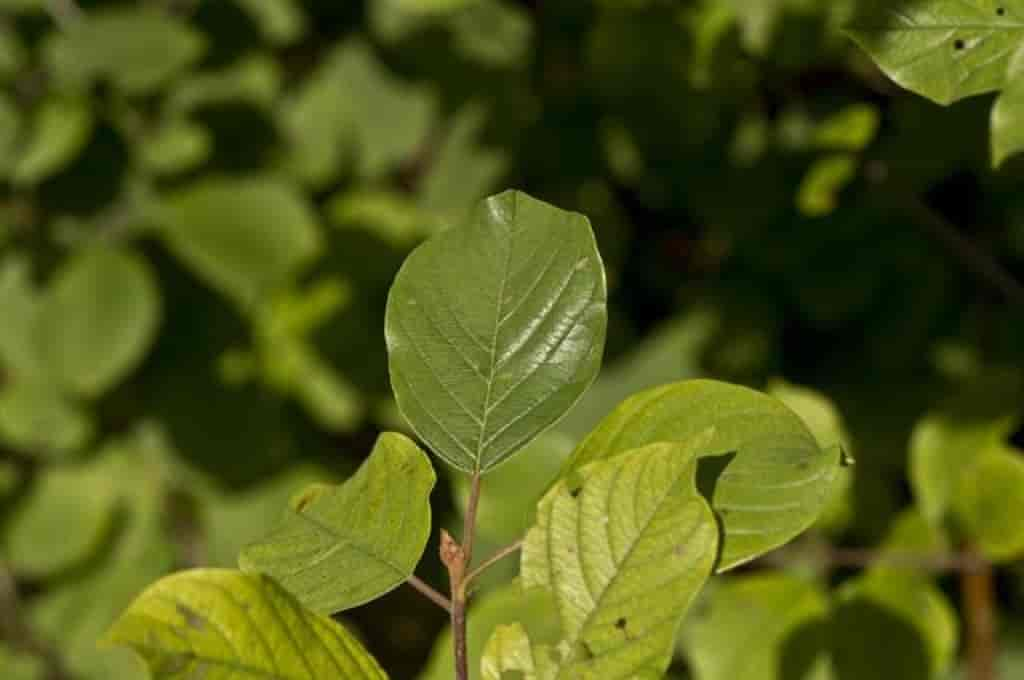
[{"x": 204, "y": 202}]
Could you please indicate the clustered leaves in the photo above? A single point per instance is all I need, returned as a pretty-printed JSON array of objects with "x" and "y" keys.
[{"x": 484, "y": 356}]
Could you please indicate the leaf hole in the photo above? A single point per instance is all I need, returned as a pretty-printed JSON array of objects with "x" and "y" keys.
[{"x": 959, "y": 44}]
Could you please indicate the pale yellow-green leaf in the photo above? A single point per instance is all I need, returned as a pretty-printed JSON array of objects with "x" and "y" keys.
[
  {"x": 360, "y": 540},
  {"x": 624, "y": 545},
  {"x": 219, "y": 623},
  {"x": 990, "y": 503},
  {"x": 1008, "y": 113},
  {"x": 776, "y": 480}
]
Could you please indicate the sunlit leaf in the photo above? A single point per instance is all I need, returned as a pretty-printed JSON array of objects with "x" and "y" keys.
[
  {"x": 990, "y": 503},
  {"x": 358, "y": 541},
  {"x": 942, "y": 49},
  {"x": 624, "y": 545},
  {"x": 1008, "y": 113},
  {"x": 771, "y": 479},
  {"x": 281, "y": 21},
  {"x": 177, "y": 625},
  {"x": 495, "y": 328}
]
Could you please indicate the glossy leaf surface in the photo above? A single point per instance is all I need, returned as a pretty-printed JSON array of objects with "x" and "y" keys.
[{"x": 495, "y": 328}]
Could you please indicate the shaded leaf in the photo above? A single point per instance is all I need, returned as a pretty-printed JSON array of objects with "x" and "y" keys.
[
  {"x": 60, "y": 129},
  {"x": 624, "y": 545},
  {"x": 99, "y": 319},
  {"x": 37, "y": 420},
  {"x": 138, "y": 50},
  {"x": 177, "y": 625},
  {"x": 495, "y": 328},
  {"x": 776, "y": 480},
  {"x": 245, "y": 237},
  {"x": 359, "y": 541}
]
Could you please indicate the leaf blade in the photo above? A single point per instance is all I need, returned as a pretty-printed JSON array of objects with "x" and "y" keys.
[
  {"x": 357, "y": 541},
  {"x": 466, "y": 330}
]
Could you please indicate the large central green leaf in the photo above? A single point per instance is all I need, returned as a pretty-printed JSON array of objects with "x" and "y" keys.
[
  {"x": 624, "y": 545},
  {"x": 345, "y": 545},
  {"x": 775, "y": 481},
  {"x": 495, "y": 328},
  {"x": 218, "y": 623},
  {"x": 943, "y": 49}
]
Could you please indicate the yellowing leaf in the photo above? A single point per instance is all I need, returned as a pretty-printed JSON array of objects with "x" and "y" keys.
[{"x": 227, "y": 624}]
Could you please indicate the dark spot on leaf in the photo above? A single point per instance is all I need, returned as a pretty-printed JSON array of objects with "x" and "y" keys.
[
  {"x": 621, "y": 624},
  {"x": 803, "y": 465},
  {"x": 193, "y": 619},
  {"x": 575, "y": 492},
  {"x": 959, "y": 44},
  {"x": 1001, "y": 11},
  {"x": 680, "y": 550}
]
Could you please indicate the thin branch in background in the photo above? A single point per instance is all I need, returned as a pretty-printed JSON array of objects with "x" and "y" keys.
[
  {"x": 971, "y": 256},
  {"x": 978, "y": 591},
  {"x": 492, "y": 560},
  {"x": 859, "y": 558},
  {"x": 431, "y": 594}
]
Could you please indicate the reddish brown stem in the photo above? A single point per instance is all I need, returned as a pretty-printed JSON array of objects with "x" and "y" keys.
[{"x": 978, "y": 592}]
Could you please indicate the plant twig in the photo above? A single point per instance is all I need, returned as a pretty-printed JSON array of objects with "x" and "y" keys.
[
  {"x": 978, "y": 593},
  {"x": 431, "y": 594},
  {"x": 492, "y": 560},
  {"x": 971, "y": 256},
  {"x": 457, "y": 559}
]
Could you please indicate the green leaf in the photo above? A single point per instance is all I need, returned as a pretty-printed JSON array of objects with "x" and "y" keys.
[
  {"x": 507, "y": 604},
  {"x": 946, "y": 442},
  {"x": 990, "y": 503},
  {"x": 98, "y": 320},
  {"x": 137, "y": 50},
  {"x": 826, "y": 424},
  {"x": 353, "y": 108},
  {"x": 819, "y": 191},
  {"x": 942, "y": 49},
  {"x": 359, "y": 541},
  {"x": 62, "y": 521},
  {"x": 231, "y": 520},
  {"x": 624, "y": 545},
  {"x": 253, "y": 79},
  {"x": 281, "y": 21},
  {"x": 176, "y": 147},
  {"x": 245, "y": 237},
  {"x": 776, "y": 480},
  {"x": 850, "y": 129},
  {"x": 495, "y": 328},
  {"x": 37, "y": 420},
  {"x": 60, "y": 129},
  {"x": 178, "y": 626},
  {"x": 508, "y": 650},
  {"x": 749, "y": 626},
  {"x": 1008, "y": 114},
  {"x": 19, "y": 351}
]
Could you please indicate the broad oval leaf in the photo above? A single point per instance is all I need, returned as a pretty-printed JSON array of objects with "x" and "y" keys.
[
  {"x": 225, "y": 624},
  {"x": 496, "y": 328},
  {"x": 942, "y": 49},
  {"x": 99, "y": 318},
  {"x": 341, "y": 548},
  {"x": 61, "y": 127},
  {"x": 624, "y": 545},
  {"x": 776, "y": 480}
]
